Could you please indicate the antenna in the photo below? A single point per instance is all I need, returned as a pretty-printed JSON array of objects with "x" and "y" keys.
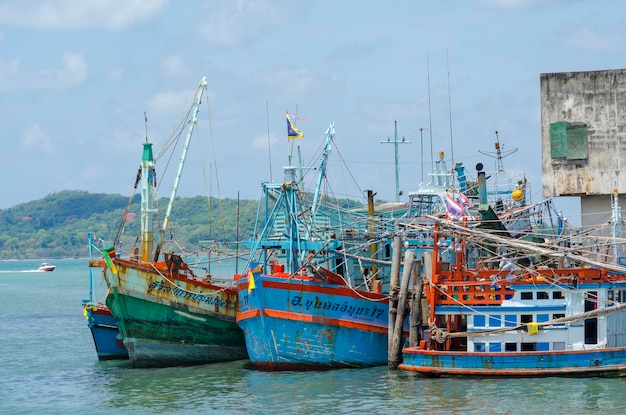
[
  {"x": 145, "y": 117},
  {"x": 450, "y": 109},
  {"x": 395, "y": 142},
  {"x": 498, "y": 154},
  {"x": 269, "y": 146},
  {"x": 430, "y": 118},
  {"x": 422, "y": 150}
]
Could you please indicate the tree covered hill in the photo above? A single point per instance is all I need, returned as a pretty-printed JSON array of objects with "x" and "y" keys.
[{"x": 57, "y": 226}]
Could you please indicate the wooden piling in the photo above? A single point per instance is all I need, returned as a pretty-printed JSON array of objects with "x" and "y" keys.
[
  {"x": 415, "y": 313},
  {"x": 395, "y": 353},
  {"x": 396, "y": 259}
]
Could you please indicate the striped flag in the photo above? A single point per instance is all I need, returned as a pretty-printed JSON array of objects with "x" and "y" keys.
[{"x": 453, "y": 208}]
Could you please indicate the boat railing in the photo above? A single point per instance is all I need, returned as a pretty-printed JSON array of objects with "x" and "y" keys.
[{"x": 491, "y": 287}]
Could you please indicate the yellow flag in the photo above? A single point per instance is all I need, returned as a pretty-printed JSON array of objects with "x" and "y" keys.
[
  {"x": 533, "y": 328},
  {"x": 108, "y": 260},
  {"x": 251, "y": 285}
]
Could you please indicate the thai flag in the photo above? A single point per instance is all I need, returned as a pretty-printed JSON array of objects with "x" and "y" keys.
[
  {"x": 454, "y": 208},
  {"x": 465, "y": 200}
]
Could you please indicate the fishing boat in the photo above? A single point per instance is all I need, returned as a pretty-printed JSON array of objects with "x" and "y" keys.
[
  {"x": 313, "y": 297},
  {"x": 168, "y": 312},
  {"x": 44, "y": 266},
  {"x": 102, "y": 325},
  {"x": 520, "y": 307}
]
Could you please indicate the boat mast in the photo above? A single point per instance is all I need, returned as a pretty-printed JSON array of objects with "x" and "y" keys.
[
  {"x": 147, "y": 204},
  {"x": 192, "y": 123},
  {"x": 91, "y": 294},
  {"x": 330, "y": 134}
]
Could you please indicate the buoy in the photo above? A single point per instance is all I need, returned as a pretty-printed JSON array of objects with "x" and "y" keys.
[{"x": 517, "y": 195}]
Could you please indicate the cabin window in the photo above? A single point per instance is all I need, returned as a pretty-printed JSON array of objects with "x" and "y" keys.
[
  {"x": 422, "y": 205},
  {"x": 543, "y": 346},
  {"x": 542, "y": 318},
  {"x": 495, "y": 320},
  {"x": 510, "y": 320},
  {"x": 558, "y": 346},
  {"x": 591, "y": 300},
  {"x": 526, "y": 295},
  {"x": 610, "y": 295},
  {"x": 542, "y": 295},
  {"x": 558, "y": 295},
  {"x": 528, "y": 347},
  {"x": 479, "y": 320},
  {"x": 510, "y": 347},
  {"x": 479, "y": 347},
  {"x": 591, "y": 324},
  {"x": 495, "y": 347},
  {"x": 526, "y": 318}
]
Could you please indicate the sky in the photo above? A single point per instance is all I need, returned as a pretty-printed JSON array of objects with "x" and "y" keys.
[{"x": 77, "y": 76}]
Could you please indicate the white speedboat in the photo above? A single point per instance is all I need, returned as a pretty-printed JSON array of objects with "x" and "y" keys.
[{"x": 46, "y": 267}]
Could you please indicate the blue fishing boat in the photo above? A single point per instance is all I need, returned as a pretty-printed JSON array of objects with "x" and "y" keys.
[
  {"x": 101, "y": 323},
  {"x": 313, "y": 297},
  {"x": 520, "y": 308}
]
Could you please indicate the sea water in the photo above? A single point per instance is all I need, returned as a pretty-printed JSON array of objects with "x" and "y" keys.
[{"x": 48, "y": 365}]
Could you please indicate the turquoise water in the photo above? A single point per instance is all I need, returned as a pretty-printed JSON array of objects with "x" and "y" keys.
[{"x": 48, "y": 365}]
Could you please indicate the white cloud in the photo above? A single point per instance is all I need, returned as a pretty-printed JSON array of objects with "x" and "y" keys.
[
  {"x": 114, "y": 74},
  {"x": 77, "y": 15},
  {"x": 13, "y": 76},
  {"x": 294, "y": 83},
  {"x": 33, "y": 139},
  {"x": 167, "y": 102},
  {"x": 234, "y": 22},
  {"x": 516, "y": 4},
  {"x": 260, "y": 142},
  {"x": 173, "y": 65},
  {"x": 590, "y": 39}
]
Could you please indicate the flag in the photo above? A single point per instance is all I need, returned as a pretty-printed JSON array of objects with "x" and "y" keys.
[
  {"x": 292, "y": 132},
  {"x": 466, "y": 201},
  {"x": 453, "y": 208},
  {"x": 107, "y": 258},
  {"x": 255, "y": 270},
  {"x": 251, "y": 285},
  {"x": 129, "y": 217}
]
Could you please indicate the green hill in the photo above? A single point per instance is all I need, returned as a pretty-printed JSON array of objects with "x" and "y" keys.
[{"x": 57, "y": 225}]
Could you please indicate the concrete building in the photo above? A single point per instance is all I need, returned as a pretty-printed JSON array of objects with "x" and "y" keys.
[
  {"x": 583, "y": 131},
  {"x": 583, "y": 139}
]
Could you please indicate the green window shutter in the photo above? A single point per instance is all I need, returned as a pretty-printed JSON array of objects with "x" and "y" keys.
[
  {"x": 558, "y": 139},
  {"x": 577, "y": 141}
]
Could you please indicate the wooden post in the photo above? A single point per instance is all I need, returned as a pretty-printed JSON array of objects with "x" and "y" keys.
[
  {"x": 396, "y": 258},
  {"x": 415, "y": 316},
  {"x": 428, "y": 276},
  {"x": 395, "y": 354}
]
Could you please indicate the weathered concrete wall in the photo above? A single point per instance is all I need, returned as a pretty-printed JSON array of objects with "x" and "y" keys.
[{"x": 598, "y": 99}]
